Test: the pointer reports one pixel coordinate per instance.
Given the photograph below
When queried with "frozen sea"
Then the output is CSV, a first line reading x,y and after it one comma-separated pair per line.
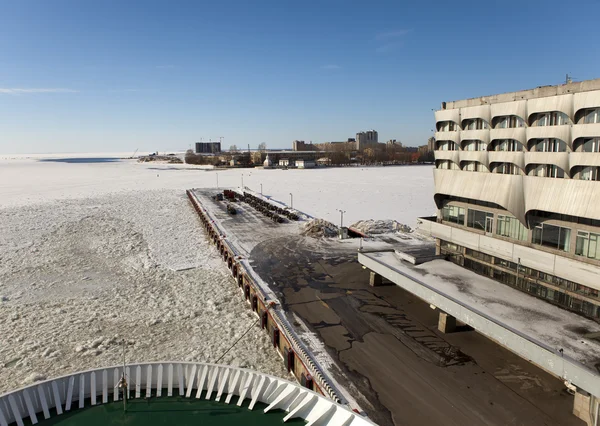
x,y
94,250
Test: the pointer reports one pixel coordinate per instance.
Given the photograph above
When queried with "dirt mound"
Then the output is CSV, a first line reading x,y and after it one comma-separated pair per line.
x,y
372,227
319,228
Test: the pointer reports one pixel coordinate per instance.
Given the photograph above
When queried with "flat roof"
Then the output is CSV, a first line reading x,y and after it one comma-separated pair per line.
x,y
541,321
538,92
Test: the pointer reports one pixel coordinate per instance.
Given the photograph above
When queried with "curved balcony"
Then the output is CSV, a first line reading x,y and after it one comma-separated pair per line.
x,y
479,111
448,136
551,132
479,156
583,159
514,157
518,108
447,155
560,159
564,196
504,190
482,135
586,100
585,131
158,380
448,115
518,134
561,103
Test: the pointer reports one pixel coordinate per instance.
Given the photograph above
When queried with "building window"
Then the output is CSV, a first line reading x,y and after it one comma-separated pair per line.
x,y
507,169
453,214
546,170
450,246
448,126
587,245
507,145
554,118
480,220
556,237
550,145
592,116
475,124
447,146
446,164
510,227
588,145
589,173
473,166
474,145
509,122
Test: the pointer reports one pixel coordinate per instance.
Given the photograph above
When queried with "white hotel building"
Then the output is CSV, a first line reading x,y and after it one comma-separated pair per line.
x,y
517,185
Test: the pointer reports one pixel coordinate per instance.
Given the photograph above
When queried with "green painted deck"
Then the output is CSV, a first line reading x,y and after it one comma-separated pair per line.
x,y
174,410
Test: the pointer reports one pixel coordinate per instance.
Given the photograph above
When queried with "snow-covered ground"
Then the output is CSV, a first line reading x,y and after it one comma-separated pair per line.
x,y
92,253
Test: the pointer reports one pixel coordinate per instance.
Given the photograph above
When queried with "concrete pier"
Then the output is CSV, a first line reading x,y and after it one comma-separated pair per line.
x,y
581,407
375,280
446,323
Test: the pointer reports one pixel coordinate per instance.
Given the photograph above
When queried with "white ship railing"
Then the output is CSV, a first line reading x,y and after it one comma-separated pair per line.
x,y
190,380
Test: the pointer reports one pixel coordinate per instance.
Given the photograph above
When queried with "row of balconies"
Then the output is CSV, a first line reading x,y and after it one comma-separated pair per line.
x,y
565,160
569,104
566,133
521,195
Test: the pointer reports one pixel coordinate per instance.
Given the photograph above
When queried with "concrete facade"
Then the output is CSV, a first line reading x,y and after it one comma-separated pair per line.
x,y
208,147
366,139
516,179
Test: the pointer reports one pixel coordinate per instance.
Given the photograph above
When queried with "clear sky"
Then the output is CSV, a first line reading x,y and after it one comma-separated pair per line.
x,y
94,76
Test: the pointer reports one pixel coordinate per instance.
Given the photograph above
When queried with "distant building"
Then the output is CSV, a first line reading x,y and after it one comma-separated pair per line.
x,y
208,147
423,149
306,164
303,146
366,139
268,164
392,143
287,162
280,158
431,144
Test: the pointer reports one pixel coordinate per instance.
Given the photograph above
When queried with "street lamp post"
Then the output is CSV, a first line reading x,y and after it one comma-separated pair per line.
x,y
242,181
291,200
261,189
341,217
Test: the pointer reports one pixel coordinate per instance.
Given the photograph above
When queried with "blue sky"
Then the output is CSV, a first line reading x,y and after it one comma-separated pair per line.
x,y
94,76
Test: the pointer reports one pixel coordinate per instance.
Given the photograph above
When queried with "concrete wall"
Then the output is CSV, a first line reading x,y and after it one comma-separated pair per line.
x,y
549,263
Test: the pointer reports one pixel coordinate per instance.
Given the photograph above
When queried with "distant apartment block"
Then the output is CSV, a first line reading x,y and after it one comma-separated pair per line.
x,y
518,193
366,139
431,144
208,147
303,146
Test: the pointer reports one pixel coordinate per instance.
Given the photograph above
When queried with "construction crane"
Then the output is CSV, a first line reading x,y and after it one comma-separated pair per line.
x,y
135,152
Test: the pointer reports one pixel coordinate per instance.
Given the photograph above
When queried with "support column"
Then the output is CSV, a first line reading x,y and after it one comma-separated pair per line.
x,y
581,406
375,280
446,323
